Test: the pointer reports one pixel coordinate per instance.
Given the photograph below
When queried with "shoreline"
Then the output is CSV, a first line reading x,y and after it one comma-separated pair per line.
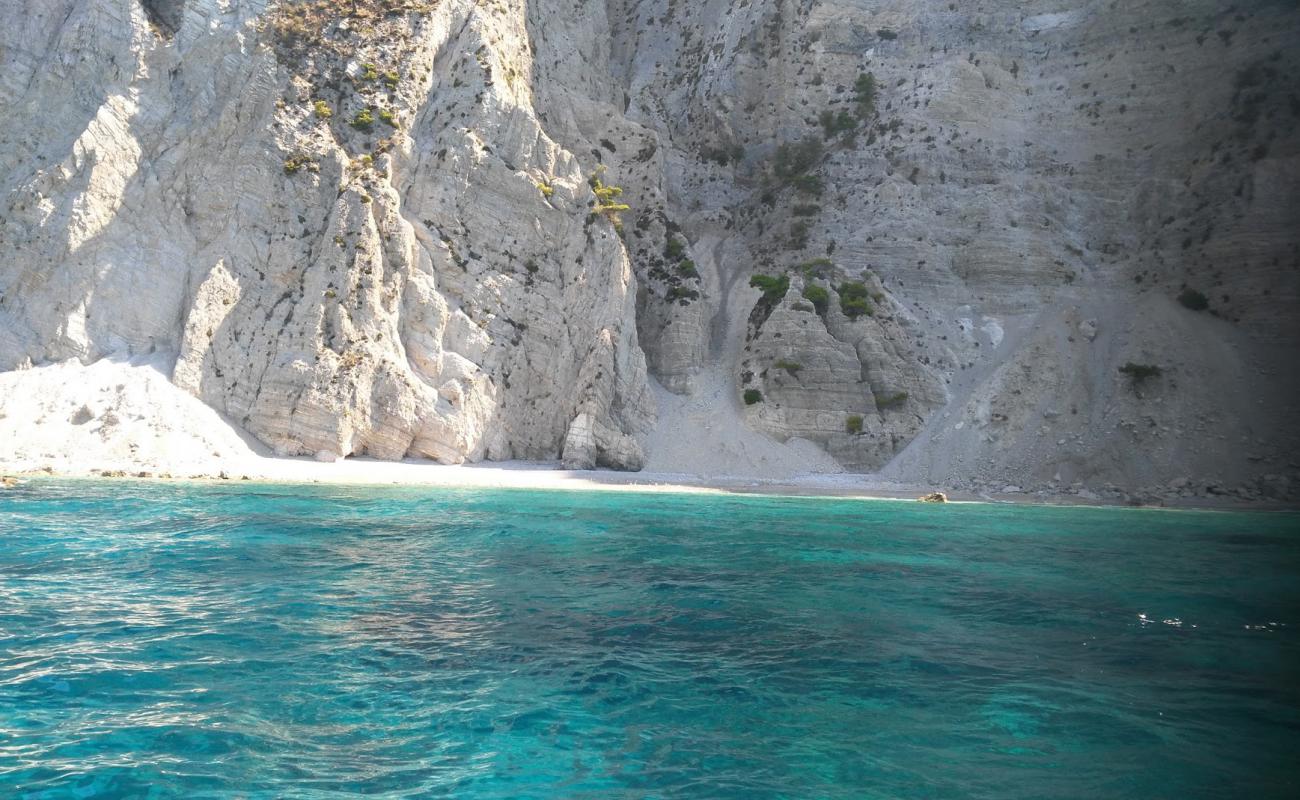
x,y
549,476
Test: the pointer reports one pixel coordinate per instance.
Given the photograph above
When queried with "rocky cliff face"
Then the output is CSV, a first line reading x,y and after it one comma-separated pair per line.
x,y
924,235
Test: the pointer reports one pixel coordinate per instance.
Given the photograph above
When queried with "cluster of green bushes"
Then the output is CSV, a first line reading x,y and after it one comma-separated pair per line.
x,y
302,28
299,161
853,299
682,269
834,124
793,160
685,293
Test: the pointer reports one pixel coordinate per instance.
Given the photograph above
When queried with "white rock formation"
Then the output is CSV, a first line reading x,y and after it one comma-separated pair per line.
x,y
370,227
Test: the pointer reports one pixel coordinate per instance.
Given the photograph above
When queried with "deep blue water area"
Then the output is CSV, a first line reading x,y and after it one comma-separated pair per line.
x,y
196,641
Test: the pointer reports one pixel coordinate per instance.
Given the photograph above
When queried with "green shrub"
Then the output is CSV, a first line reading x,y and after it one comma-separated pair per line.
x,y
887,34
753,396
391,79
1190,298
793,160
816,266
298,161
791,367
798,235
891,400
835,124
773,289
864,94
724,155
818,296
674,249
386,115
683,294
368,72
322,109
546,189
364,120
1140,372
808,184
687,269
853,299
606,196
854,423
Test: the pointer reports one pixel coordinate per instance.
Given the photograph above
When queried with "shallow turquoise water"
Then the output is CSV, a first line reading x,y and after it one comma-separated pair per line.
x,y
235,641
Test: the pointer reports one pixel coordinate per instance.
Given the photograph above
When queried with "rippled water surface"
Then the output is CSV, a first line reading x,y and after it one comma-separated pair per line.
x,y
234,641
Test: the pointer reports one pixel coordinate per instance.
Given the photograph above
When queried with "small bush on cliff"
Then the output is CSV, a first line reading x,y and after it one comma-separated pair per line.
x,y
773,288
791,367
298,161
753,396
607,197
864,94
794,159
853,424
818,267
1196,301
682,294
834,124
322,109
809,184
893,400
853,300
364,120
818,296
1137,373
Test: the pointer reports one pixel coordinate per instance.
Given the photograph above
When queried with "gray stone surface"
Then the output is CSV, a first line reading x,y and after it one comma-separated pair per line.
x,y
1032,190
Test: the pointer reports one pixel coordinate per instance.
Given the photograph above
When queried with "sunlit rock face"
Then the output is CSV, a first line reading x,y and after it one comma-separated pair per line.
x,y
384,227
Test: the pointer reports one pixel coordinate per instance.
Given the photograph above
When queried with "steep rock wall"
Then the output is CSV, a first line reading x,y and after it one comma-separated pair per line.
x,y
980,212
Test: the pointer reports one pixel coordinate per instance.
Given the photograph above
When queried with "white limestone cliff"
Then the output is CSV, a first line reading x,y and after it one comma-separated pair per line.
x,y
371,228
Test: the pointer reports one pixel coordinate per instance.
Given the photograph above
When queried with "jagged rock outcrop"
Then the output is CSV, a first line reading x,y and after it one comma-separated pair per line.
x,y
375,227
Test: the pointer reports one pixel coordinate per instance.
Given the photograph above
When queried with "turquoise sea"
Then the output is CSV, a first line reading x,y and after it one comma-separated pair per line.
x,y
169,641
